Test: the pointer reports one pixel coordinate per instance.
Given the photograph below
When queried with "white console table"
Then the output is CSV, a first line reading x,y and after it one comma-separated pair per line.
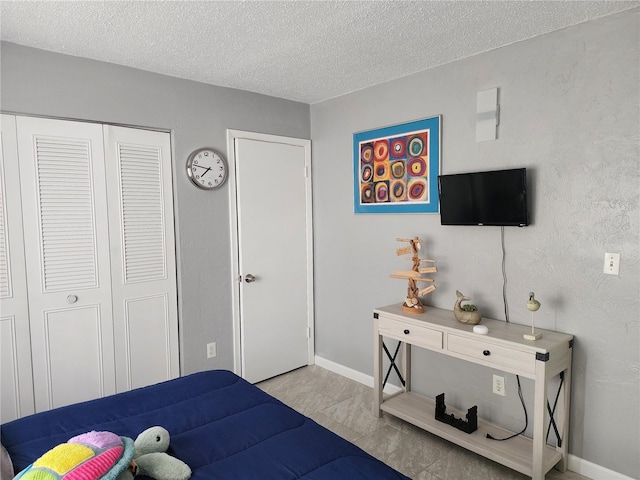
x,y
503,348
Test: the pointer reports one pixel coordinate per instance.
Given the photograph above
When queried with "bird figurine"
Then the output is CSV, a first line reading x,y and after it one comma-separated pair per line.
x,y
533,306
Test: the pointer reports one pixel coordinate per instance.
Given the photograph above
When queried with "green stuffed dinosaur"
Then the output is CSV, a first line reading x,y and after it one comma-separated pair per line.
x,y
151,459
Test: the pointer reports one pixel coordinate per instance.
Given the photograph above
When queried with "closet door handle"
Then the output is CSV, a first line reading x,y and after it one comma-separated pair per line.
x,y
406,332
72,298
486,353
248,278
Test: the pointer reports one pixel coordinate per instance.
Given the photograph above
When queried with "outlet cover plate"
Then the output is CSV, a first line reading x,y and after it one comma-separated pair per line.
x,y
499,385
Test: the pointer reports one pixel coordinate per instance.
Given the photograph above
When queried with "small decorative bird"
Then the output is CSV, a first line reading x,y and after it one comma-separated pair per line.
x,y
533,305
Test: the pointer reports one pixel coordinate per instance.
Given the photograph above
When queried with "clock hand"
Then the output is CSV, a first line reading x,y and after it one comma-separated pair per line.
x,y
205,172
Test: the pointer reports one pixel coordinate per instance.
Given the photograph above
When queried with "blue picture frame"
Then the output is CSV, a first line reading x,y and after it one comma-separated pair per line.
x,y
396,168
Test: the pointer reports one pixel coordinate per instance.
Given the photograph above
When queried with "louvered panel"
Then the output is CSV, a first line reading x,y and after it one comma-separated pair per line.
x,y
5,267
142,213
65,200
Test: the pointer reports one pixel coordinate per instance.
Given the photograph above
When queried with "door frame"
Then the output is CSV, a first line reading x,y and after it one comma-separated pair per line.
x,y
232,136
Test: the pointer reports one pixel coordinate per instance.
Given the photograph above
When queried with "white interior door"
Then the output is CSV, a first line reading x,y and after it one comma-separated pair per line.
x,y
67,260
143,268
16,390
274,246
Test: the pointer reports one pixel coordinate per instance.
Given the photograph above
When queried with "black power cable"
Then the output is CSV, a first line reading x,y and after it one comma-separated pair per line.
x,y
506,315
526,417
504,277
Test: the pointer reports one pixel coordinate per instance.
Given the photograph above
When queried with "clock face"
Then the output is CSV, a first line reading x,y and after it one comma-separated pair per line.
x,y
207,168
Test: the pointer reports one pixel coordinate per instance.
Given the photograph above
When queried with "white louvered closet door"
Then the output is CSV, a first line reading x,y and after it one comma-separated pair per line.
x,y
143,267
67,258
16,390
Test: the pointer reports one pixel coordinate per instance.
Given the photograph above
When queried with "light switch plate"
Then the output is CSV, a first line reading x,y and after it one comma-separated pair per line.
x,y
612,263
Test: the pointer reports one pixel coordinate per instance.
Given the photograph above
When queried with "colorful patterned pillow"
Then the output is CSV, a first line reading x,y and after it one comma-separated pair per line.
x,y
90,456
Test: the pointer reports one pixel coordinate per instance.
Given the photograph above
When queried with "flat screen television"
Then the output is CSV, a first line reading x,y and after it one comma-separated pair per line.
x,y
496,197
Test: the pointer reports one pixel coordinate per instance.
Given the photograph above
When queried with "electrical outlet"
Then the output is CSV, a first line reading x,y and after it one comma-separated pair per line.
x,y
612,263
499,385
211,350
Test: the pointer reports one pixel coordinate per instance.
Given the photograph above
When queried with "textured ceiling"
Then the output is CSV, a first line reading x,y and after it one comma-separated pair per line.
x,y
306,51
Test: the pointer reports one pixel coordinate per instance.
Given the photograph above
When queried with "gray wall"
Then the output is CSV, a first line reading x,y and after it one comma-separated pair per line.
x,y
569,113
569,104
44,83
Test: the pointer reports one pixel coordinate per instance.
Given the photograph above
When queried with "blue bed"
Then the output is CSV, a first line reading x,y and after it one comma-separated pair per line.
x,y
221,426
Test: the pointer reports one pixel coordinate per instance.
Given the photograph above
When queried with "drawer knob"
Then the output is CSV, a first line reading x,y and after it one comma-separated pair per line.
x,y
486,353
406,332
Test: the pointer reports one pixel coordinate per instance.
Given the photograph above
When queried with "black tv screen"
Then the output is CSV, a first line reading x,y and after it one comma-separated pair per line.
x,y
484,198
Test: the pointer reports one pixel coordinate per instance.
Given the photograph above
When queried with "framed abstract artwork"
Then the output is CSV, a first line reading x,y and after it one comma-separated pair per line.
x,y
396,168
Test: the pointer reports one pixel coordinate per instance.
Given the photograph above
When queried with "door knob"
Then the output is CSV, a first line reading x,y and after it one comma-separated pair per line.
x,y
72,298
248,278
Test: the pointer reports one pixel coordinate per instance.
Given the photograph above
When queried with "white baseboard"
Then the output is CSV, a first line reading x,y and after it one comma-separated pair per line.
x,y
575,464
352,374
593,471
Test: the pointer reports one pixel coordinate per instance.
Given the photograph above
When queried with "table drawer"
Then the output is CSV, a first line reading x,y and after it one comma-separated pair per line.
x,y
406,332
492,354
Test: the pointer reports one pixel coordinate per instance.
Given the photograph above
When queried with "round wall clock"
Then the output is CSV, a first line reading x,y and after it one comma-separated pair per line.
x,y
207,168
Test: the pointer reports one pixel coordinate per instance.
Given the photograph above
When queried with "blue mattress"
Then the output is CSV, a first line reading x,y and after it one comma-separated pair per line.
x,y
221,426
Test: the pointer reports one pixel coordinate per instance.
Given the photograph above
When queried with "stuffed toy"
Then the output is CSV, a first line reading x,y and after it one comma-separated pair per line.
x,y
107,456
92,455
151,459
